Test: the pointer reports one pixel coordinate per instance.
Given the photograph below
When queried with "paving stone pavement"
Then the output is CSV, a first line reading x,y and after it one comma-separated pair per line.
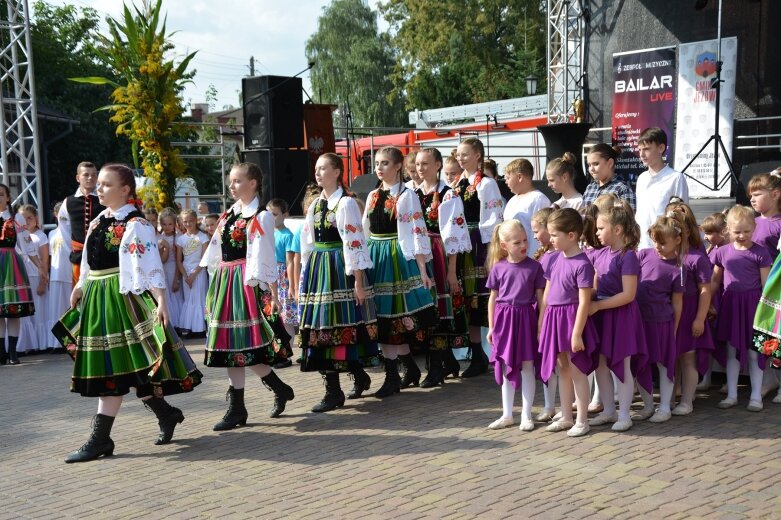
x,y
420,454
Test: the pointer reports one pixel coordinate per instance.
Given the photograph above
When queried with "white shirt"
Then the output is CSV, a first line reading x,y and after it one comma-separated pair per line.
x,y
528,203
575,202
654,190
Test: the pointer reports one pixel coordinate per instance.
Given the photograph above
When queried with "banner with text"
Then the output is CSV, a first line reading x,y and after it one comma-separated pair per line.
x,y
643,96
697,113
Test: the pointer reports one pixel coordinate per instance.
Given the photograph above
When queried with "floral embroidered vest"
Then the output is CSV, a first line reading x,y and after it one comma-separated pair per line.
x,y
104,241
325,222
7,232
234,237
468,194
430,205
382,212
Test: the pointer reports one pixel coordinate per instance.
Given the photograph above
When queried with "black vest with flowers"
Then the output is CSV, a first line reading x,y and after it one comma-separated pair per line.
x,y
382,212
468,194
234,237
7,232
325,222
430,205
104,241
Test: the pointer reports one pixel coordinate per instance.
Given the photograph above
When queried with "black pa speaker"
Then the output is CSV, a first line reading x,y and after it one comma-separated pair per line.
x,y
285,175
566,137
273,112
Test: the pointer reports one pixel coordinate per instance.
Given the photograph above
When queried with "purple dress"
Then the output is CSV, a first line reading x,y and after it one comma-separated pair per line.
x,y
659,279
742,291
614,342
566,276
697,270
515,317
767,232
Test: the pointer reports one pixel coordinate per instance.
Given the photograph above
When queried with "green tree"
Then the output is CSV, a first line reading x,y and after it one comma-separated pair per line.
x,y
465,51
147,100
62,39
353,65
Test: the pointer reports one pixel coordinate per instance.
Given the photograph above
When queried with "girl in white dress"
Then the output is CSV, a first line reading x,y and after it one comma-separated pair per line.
x,y
60,280
33,332
190,247
167,245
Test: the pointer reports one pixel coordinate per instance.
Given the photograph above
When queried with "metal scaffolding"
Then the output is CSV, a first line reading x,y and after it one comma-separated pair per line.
x,y
565,57
19,153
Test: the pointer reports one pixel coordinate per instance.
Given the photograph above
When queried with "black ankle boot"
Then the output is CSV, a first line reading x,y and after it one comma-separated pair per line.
x,y
411,371
99,442
436,374
167,418
3,354
450,363
479,364
13,359
334,397
361,383
236,414
392,383
282,393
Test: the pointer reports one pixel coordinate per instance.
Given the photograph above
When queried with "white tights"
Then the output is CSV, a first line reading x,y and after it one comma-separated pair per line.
x,y
733,372
626,390
527,392
11,325
549,390
236,374
394,351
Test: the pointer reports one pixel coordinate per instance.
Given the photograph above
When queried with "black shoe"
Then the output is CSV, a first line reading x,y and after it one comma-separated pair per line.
x,y
282,393
13,359
99,442
236,414
3,354
361,383
392,383
334,397
436,374
479,364
283,363
451,364
167,418
411,371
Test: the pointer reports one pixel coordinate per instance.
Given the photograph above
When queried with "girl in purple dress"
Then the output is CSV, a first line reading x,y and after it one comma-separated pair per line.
x,y
545,255
744,267
567,335
660,296
615,311
516,283
714,228
693,337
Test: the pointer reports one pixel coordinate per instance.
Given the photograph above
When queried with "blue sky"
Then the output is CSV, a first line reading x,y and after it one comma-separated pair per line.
x,y
226,33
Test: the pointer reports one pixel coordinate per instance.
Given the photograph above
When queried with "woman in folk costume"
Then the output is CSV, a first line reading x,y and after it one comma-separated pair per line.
x,y
118,329
443,213
483,209
338,322
242,262
399,248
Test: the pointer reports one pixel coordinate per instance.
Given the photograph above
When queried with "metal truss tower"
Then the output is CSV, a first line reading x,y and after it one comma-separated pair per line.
x,y
565,57
19,152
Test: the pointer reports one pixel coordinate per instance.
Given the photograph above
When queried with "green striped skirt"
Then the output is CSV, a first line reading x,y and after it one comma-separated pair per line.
x,y
405,308
767,319
16,296
116,343
335,332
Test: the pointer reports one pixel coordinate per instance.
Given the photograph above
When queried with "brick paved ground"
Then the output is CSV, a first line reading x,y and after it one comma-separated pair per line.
x,y
422,454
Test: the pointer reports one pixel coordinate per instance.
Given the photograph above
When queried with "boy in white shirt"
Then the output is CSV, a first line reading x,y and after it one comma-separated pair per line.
x,y
657,184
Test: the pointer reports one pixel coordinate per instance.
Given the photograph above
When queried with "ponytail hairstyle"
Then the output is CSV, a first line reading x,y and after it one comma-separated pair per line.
x,y
336,163
621,215
500,234
766,181
668,227
589,235
606,201
564,165
541,218
396,157
126,178
606,151
689,221
477,146
566,220
253,172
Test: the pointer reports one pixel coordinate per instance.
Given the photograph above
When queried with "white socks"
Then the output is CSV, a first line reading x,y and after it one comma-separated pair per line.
x,y
508,398
665,389
733,372
626,391
604,382
755,374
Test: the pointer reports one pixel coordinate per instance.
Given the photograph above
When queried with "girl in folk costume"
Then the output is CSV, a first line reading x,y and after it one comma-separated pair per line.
x,y
60,279
483,209
338,321
516,282
451,170
443,213
167,244
16,297
190,247
241,258
399,248
117,329
33,332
